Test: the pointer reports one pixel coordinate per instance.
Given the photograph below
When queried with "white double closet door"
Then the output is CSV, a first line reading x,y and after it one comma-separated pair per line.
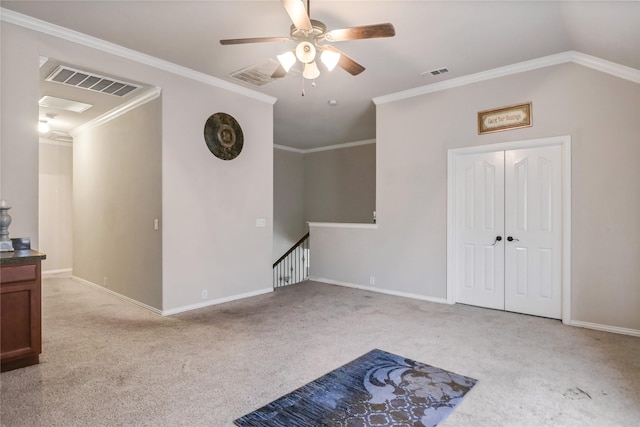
x,y
508,230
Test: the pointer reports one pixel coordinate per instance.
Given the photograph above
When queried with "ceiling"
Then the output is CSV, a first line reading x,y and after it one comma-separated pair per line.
x,y
466,37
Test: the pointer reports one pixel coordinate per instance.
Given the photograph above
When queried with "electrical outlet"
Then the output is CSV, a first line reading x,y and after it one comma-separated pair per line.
x,y
205,294
105,281
372,280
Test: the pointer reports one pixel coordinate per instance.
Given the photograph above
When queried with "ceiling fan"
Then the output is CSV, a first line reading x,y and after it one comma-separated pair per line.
x,y
311,37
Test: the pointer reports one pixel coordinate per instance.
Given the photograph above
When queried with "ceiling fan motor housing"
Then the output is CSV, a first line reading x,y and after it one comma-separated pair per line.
x,y
317,33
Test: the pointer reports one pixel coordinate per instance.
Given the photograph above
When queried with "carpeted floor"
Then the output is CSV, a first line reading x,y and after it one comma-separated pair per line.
x,y
108,363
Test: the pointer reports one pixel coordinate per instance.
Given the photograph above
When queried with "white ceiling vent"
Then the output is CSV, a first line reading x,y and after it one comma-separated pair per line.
x,y
60,137
91,81
259,74
435,72
63,104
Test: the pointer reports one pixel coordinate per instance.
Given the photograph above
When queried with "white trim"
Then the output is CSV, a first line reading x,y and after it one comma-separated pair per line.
x,y
285,148
339,146
565,143
327,148
215,302
605,328
342,225
114,49
617,70
52,142
62,272
139,100
116,294
378,290
173,310
593,62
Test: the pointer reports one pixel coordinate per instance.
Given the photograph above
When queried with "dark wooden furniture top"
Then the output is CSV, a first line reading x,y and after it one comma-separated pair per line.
x,y
20,257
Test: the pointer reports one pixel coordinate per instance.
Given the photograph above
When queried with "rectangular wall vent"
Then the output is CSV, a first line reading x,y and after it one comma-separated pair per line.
x,y
91,81
63,104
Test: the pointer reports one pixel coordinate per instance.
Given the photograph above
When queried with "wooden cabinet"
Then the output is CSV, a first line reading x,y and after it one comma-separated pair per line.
x,y
20,309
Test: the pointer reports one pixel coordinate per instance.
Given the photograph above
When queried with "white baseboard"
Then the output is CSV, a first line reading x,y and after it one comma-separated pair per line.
x,y
173,310
63,272
215,302
116,294
605,328
379,290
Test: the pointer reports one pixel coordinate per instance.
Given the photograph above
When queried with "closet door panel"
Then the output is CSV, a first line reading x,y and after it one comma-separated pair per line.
x,y
533,230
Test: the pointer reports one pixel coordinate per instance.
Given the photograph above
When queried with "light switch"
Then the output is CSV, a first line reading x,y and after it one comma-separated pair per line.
x,y
261,222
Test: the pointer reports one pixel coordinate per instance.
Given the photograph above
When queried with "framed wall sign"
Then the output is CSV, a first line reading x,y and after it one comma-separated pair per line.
x,y
498,119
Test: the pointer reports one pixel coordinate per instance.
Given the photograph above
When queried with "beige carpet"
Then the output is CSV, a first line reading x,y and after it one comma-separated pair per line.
x,y
108,363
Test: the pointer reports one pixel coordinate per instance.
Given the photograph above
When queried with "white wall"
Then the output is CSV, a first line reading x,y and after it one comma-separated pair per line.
x,y
55,217
601,114
210,207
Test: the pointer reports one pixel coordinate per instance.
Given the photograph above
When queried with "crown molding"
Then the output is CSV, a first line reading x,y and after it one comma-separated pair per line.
x,y
44,27
339,146
327,148
285,148
615,69
57,143
593,62
143,98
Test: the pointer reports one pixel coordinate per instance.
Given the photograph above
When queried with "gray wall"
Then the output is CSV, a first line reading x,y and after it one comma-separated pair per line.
x,y
333,185
209,206
55,218
407,253
288,200
19,89
117,188
340,184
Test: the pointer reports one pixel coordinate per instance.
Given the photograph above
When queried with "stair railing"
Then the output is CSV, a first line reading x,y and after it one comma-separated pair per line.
x,y
293,266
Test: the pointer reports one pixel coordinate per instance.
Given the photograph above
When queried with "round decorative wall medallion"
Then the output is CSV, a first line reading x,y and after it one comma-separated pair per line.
x,y
223,136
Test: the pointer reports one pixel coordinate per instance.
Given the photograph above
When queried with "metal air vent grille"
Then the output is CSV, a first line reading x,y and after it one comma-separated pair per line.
x,y
91,81
259,74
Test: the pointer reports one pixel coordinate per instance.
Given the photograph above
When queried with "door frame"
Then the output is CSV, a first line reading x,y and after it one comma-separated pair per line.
x,y
564,142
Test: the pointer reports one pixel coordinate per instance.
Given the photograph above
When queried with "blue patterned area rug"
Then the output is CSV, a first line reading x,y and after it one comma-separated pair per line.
x,y
374,390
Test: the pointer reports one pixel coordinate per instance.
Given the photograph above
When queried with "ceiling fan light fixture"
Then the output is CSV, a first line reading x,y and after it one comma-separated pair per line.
x,y
287,60
330,59
311,71
306,52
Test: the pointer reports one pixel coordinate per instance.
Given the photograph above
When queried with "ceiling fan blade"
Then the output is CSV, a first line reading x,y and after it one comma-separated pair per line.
x,y
298,14
254,40
345,62
364,32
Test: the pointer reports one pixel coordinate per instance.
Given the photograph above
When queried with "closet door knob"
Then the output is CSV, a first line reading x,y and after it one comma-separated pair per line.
x,y
498,238
511,239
